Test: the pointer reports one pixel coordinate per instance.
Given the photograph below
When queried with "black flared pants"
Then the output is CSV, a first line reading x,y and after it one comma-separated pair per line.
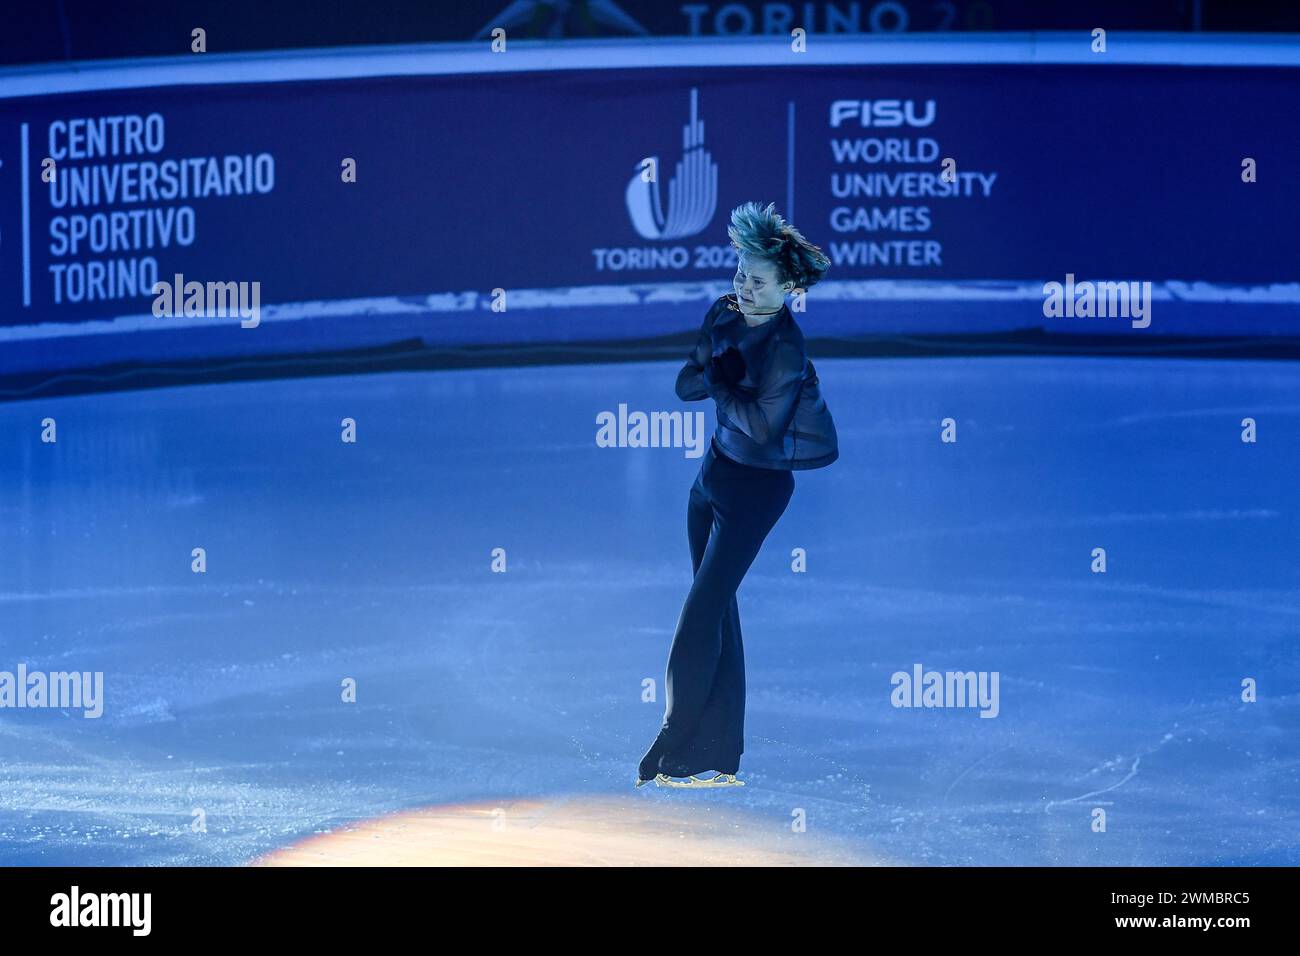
x,y
732,508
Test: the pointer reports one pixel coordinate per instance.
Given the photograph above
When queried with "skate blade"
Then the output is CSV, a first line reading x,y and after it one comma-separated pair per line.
x,y
696,783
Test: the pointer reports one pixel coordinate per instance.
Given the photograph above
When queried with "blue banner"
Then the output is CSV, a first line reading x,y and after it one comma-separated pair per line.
x,y
438,194
569,179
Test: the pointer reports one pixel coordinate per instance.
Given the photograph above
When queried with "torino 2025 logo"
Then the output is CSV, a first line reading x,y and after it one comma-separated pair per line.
x,y
684,208
692,192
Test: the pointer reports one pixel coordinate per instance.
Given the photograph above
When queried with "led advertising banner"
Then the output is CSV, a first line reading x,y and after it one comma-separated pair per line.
x,y
509,181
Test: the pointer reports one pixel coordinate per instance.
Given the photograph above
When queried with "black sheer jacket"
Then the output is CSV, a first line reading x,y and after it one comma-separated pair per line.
x,y
774,416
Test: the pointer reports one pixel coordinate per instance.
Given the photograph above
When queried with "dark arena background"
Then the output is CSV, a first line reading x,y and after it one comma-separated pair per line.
x,y
348,574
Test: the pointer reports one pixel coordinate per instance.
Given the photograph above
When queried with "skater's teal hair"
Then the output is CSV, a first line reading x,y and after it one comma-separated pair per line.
x,y
761,233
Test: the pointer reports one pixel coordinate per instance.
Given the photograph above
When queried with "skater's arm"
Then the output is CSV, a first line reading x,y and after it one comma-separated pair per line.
x,y
768,414
691,386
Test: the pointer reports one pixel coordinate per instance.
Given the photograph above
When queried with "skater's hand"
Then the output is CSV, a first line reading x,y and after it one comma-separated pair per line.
x,y
729,366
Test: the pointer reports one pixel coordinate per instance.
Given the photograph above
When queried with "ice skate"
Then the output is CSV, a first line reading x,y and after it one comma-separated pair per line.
x,y
694,782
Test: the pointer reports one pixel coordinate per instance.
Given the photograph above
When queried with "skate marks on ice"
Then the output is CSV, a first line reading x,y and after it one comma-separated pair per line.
x,y
576,830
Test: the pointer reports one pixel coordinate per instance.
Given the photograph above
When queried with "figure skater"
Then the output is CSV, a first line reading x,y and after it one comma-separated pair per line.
x,y
749,358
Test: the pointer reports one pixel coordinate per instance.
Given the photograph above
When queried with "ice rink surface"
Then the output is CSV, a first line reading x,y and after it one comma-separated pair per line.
x,y
373,561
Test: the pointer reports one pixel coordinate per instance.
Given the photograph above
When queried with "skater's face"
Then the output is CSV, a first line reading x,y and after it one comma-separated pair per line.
x,y
757,288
